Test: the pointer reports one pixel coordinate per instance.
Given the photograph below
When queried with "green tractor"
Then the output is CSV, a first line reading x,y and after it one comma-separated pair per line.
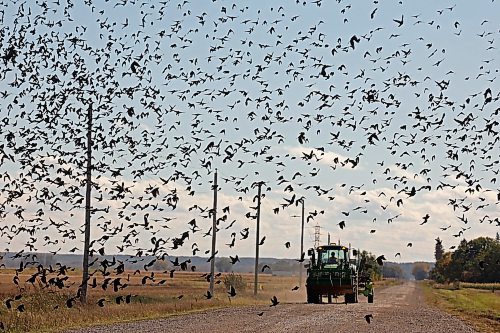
x,y
333,272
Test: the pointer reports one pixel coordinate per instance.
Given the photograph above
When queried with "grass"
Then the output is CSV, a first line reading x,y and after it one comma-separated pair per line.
x,y
479,307
46,309
484,286
387,283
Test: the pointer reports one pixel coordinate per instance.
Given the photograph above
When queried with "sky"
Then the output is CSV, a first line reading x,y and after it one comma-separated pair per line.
x,y
271,92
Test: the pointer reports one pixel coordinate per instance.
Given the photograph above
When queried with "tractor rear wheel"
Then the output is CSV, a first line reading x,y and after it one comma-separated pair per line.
x,y
312,297
350,298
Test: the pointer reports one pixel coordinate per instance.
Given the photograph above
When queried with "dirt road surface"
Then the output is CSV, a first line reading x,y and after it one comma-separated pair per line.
x,y
396,309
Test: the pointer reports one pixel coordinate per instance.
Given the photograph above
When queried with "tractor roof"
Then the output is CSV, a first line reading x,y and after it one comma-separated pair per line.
x,y
331,247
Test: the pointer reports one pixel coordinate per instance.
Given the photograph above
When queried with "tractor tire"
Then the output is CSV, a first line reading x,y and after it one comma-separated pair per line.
x,y
350,298
312,297
370,298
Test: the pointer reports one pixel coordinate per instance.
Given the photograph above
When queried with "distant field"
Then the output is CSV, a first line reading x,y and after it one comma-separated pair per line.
x,y
46,310
476,305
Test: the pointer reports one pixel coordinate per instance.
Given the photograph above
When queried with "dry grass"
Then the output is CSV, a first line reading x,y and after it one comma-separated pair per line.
x,y
46,310
484,286
387,283
480,308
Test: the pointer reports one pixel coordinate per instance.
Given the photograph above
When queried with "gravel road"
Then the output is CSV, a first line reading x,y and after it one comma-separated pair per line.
x,y
396,309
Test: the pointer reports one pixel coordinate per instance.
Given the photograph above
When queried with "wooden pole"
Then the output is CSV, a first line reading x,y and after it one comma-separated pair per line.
x,y
214,236
257,241
86,247
301,243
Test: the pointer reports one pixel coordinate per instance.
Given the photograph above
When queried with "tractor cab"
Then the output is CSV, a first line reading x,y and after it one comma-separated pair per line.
x,y
332,256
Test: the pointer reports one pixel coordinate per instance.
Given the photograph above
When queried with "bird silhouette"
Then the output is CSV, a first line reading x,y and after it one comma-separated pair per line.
x,y
399,22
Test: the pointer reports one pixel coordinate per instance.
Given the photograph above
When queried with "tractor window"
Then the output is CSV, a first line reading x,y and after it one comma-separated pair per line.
x,y
332,258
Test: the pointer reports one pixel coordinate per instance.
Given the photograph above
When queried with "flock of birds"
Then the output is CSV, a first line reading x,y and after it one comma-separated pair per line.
x,y
177,89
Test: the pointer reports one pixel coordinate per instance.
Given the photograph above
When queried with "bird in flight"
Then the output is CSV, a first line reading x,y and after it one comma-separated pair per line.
x,y
399,22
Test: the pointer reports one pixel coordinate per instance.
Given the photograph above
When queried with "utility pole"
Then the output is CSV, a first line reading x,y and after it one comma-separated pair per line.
x,y
86,246
214,235
257,241
317,229
301,242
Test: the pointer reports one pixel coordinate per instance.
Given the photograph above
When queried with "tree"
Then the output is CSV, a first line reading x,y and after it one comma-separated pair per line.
x,y
458,261
438,251
369,263
472,261
223,264
160,265
482,258
491,258
440,272
436,273
420,270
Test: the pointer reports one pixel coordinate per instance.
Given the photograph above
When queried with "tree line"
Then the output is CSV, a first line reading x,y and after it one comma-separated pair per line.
x,y
477,261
